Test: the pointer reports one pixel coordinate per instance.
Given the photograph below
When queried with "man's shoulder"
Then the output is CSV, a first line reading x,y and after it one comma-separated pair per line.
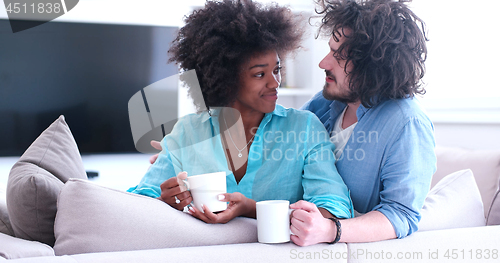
x,y
317,102
401,110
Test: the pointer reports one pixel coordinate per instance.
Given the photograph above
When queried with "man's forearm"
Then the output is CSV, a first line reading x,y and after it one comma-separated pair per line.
x,y
325,212
372,226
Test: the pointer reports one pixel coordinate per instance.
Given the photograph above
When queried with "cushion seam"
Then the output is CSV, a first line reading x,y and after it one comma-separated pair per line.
x,y
9,229
37,210
50,142
491,206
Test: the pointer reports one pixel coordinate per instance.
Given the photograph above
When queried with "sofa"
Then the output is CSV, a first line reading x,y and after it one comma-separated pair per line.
x,y
50,212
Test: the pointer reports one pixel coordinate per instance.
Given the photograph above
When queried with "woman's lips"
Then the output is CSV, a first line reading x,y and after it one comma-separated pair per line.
x,y
271,96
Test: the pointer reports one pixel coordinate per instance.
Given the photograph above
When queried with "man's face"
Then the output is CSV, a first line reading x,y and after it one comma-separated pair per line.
x,y
337,80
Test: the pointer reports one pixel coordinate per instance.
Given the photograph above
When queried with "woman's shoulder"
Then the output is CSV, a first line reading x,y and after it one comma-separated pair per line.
x,y
193,118
300,119
193,122
295,114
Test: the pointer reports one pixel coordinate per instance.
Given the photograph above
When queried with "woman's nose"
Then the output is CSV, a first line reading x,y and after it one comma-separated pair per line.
x,y
275,81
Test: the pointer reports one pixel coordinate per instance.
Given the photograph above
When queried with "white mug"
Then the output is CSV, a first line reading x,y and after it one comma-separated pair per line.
x,y
273,221
205,189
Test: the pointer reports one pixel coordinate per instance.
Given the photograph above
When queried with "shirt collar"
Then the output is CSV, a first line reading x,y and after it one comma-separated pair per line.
x,y
279,111
336,108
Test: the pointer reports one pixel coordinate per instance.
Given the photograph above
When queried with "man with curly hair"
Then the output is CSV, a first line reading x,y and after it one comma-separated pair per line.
x,y
384,140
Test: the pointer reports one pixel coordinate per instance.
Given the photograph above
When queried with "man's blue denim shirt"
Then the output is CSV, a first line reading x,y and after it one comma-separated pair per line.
x,y
389,160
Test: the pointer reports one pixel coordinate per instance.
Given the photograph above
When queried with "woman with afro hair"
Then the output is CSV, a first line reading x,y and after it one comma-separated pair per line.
x,y
267,151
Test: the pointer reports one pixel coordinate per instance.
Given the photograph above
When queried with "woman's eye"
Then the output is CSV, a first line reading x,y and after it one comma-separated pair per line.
x,y
277,70
259,75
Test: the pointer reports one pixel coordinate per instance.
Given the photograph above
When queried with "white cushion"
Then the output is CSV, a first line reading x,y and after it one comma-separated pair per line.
x,y
92,218
485,164
454,202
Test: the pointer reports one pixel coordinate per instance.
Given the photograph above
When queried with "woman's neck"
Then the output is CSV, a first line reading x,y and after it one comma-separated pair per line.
x,y
250,118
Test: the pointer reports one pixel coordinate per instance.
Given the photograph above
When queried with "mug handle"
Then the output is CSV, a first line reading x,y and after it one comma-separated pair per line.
x,y
182,181
290,211
186,184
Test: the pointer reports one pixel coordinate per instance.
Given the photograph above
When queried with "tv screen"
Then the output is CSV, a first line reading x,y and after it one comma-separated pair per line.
x,y
86,72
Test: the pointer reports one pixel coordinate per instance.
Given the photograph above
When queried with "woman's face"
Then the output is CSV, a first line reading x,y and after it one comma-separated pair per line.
x,y
259,81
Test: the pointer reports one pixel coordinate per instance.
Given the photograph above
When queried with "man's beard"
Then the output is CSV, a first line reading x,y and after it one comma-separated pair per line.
x,y
347,97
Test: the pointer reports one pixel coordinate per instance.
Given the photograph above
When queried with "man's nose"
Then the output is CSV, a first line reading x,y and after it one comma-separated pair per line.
x,y
325,62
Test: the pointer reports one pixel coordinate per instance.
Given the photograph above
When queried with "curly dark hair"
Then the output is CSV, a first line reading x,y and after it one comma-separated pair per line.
x,y
219,38
384,44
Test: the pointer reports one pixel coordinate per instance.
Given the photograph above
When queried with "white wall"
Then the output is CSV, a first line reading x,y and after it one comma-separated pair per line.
x,y
469,136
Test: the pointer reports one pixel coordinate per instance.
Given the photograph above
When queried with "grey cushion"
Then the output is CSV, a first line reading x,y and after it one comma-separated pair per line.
x,y
36,180
494,213
93,218
5,226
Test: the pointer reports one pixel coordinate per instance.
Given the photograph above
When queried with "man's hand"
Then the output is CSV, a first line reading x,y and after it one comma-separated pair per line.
x,y
239,205
174,193
309,227
157,146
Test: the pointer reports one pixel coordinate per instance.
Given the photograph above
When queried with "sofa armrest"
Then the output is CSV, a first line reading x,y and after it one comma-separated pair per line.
x,y
460,244
249,252
13,247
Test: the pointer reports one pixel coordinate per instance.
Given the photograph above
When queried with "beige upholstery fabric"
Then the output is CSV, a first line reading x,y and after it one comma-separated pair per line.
x,y
11,248
485,164
36,180
92,218
454,202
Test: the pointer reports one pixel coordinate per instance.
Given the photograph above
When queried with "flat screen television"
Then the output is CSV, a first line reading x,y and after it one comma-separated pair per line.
x,y
84,71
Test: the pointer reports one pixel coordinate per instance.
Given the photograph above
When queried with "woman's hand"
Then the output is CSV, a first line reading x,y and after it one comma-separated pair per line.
x,y
175,193
239,205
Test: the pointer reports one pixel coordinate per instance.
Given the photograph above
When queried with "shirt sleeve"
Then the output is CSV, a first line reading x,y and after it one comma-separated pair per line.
x,y
166,166
321,182
408,166
159,172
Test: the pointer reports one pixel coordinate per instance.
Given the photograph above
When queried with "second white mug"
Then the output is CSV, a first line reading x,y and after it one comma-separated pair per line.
x,y
273,221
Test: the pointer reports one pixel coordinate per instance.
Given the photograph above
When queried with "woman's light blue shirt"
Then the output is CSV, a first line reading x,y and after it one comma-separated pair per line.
x,y
291,158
